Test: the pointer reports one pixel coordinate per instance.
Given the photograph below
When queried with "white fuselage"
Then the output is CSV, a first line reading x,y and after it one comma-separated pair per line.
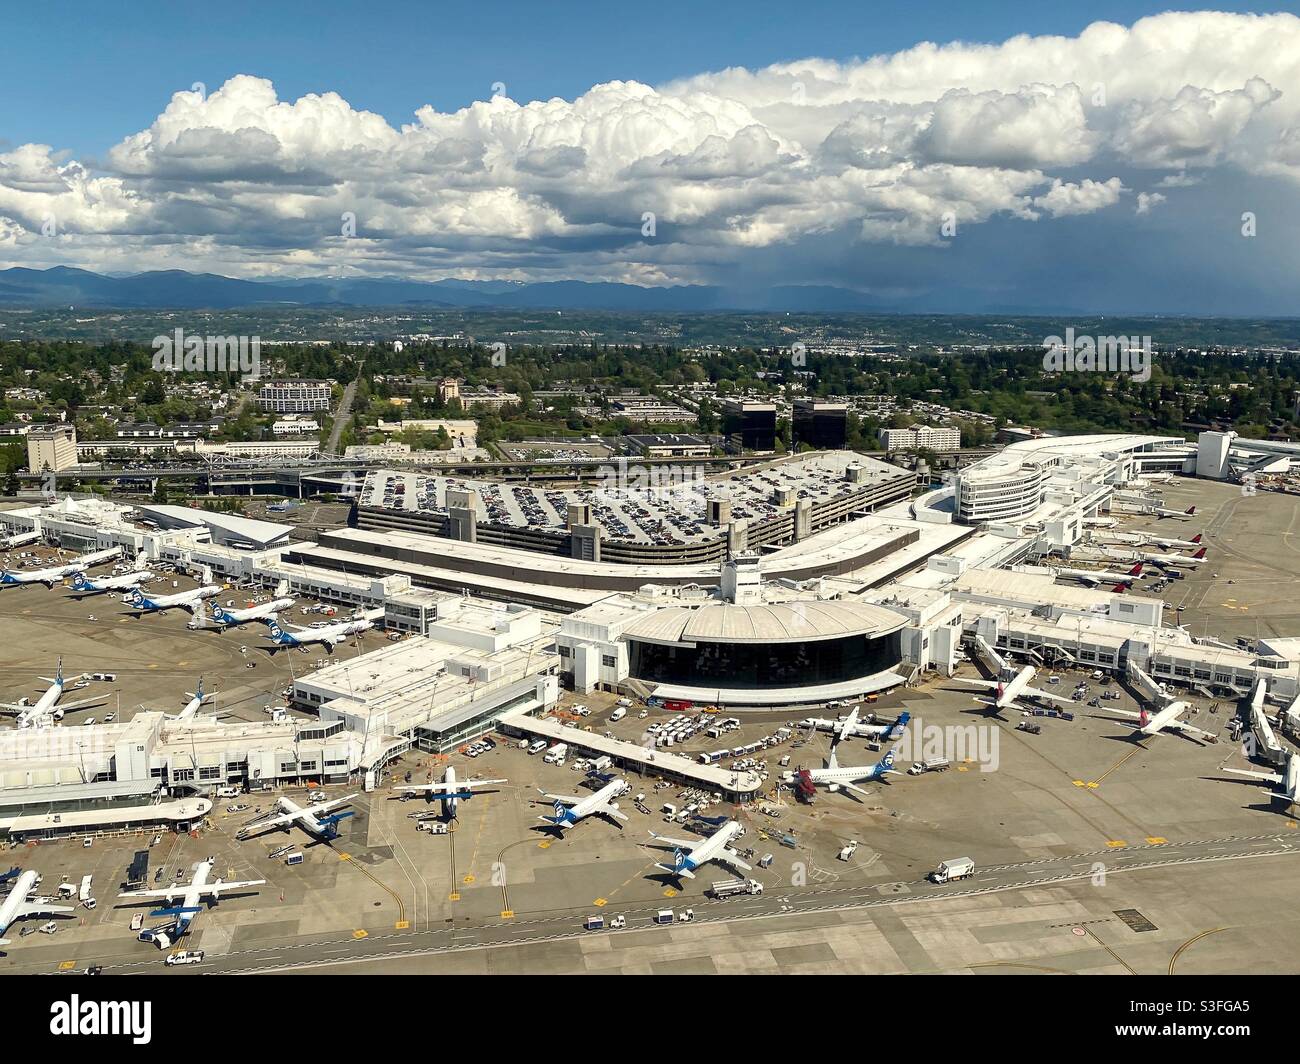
x,y
114,583
44,709
604,796
1097,576
253,613
12,906
185,599
44,576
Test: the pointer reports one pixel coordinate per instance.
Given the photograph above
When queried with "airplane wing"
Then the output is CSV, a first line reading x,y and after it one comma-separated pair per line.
x,y
478,783
732,859
325,807
987,684
80,703
1126,713
214,888
680,844
858,790
175,892
29,908
1037,692
1267,777
1180,726
567,799
609,810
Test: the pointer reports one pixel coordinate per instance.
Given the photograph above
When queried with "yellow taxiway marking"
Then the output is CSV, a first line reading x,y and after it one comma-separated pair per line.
x,y
1116,844
601,901
358,934
1291,823
345,857
468,880
1079,783
670,893
1092,785
1156,840
1196,938
544,844
454,896
154,665
402,925
65,966
507,914
962,768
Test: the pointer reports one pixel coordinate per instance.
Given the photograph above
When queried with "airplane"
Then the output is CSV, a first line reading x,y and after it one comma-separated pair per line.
x,y
1164,561
569,809
849,728
309,817
1288,778
16,906
1093,577
688,856
234,618
196,700
190,896
1181,515
836,776
1166,719
1007,693
1144,539
83,585
448,789
1099,522
186,600
329,637
48,577
46,708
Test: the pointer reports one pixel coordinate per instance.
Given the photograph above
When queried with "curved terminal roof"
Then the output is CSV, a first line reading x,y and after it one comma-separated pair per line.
x,y
780,622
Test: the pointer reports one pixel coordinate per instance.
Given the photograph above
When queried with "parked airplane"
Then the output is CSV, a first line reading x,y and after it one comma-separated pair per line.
x,y
1181,515
17,906
689,856
186,600
1166,719
1164,561
1007,693
46,708
329,636
309,817
196,700
1288,779
190,896
449,790
569,809
1145,539
849,728
83,585
48,577
233,618
836,776
1093,577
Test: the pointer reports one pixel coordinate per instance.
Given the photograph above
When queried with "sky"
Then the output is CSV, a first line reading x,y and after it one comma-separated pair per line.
x,y
937,156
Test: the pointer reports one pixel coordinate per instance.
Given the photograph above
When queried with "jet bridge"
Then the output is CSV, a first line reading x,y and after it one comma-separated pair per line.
x,y
1267,746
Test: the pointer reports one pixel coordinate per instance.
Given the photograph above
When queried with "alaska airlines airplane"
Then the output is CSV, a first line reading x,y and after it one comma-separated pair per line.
x,y
309,817
84,585
570,809
48,577
689,856
329,637
185,600
1288,779
46,708
229,618
190,896
195,703
17,907
849,728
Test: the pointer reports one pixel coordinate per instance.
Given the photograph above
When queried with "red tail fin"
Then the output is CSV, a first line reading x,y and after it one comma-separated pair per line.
x,y
1196,538
1136,570
1200,553
1119,589
1190,511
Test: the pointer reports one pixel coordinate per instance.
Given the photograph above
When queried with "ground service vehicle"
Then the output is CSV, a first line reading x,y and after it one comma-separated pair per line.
x,y
732,887
950,871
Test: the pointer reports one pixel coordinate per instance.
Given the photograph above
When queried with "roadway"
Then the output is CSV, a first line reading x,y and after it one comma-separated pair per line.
x,y
390,947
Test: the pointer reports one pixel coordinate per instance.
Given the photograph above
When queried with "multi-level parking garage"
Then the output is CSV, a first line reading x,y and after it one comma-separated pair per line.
x,y
640,515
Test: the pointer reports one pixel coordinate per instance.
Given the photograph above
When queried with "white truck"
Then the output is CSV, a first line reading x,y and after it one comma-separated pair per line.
x,y
619,713
556,754
950,871
935,764
730,888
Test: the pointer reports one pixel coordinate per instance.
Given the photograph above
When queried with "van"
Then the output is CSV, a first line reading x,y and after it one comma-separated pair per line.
x,y
295,858
618,714
537,746
227,792
664,916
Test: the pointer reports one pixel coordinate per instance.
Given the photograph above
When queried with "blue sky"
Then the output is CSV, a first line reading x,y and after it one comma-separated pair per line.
x,y
95,70
1125,160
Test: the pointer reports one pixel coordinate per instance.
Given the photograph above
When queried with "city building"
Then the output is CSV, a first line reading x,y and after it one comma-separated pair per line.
x,y
51,448
930,437
294,396
749,424
820,424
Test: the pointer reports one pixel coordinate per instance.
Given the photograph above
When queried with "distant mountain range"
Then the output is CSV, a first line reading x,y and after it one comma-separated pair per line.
x,y
176,289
